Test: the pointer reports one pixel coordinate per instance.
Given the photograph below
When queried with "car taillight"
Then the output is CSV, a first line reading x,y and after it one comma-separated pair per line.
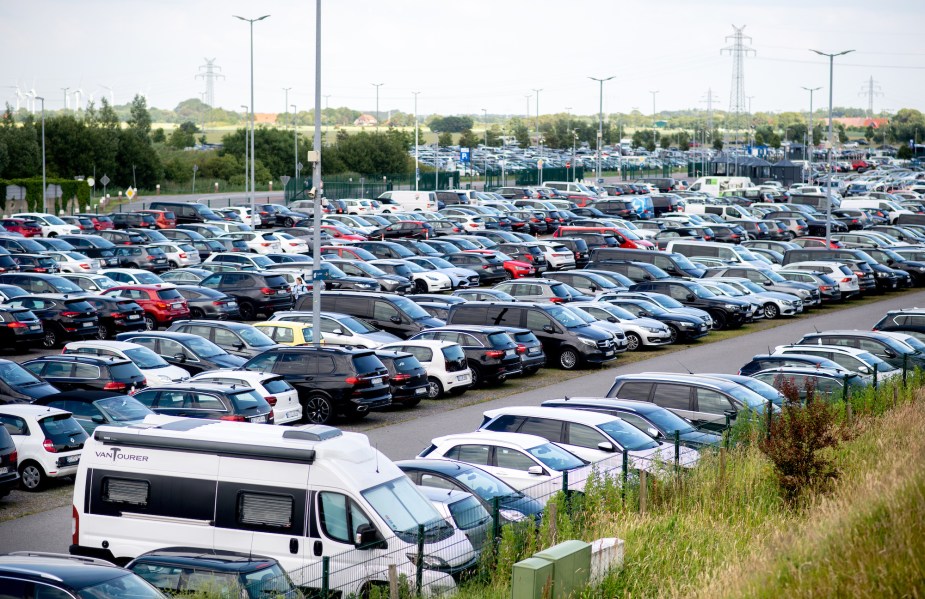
x,y
234,418
352,380
117,315
49,446
84,265
70,314
40,269
401,377
17,325
484,267
825,288
161,305
150,257
521,348
115,386
266,291
183,255
271,399
494,353
218,303
556,300
846,280
473,225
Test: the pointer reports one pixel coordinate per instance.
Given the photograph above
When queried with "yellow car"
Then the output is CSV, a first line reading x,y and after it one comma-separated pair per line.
x,y
287,333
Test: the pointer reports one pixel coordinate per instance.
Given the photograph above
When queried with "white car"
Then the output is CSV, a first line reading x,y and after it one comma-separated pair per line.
x,y
52,226
179,254
91,283
157,371
526,462
460,277
360,207
444,361
244,212
424,280
260,243
467,223
282,397
357,223
133,276
851,358
74,262
342,329
229,226
558,257
292,244
640,332
773,303
48,442
848,282
593,436
241,260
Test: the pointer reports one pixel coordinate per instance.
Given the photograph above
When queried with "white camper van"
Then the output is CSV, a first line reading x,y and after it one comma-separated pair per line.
x,y
408,201
715,186
296,494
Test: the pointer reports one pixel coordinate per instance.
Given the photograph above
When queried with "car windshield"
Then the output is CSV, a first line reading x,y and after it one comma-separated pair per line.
x,y
600,281
261,261
411,267
627,435
147,278
555,457
129,585
401,506
267,582
440,262
913,343
751,286
725,289
255,338
565,316
747,397
701,291
145,358
617,311
414,311
564,291
774,276
763,389
331,270
63,285
668,421
15,375
122,408
204,348
356,325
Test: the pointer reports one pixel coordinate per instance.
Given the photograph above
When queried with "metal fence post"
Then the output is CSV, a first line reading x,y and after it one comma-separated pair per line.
x,y
875,376
565,491
905,367
625,475
419,562
769,416
728,432
677,448
496,521
325,575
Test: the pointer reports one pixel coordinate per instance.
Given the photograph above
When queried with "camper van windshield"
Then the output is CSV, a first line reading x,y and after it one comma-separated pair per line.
x,y
402,506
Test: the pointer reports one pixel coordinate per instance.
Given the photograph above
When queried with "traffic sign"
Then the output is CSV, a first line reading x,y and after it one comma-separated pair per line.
x,y
319,275
130,193
465,154
105,180
285,180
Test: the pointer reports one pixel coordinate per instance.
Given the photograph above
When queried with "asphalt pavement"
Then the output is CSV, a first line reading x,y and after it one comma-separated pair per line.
x,y
50,530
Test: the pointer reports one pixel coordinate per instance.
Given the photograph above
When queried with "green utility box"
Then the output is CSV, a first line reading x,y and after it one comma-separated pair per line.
x,y
531,577
571,562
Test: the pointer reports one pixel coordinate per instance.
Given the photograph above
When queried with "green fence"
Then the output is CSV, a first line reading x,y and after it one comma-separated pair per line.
x,y
533,176
628,172
356,186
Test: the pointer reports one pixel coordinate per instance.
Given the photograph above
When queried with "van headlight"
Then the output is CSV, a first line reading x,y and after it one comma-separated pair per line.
x,y
587,341
511,515
431,562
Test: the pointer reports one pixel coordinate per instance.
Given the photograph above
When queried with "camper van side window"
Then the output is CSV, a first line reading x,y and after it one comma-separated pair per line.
x,y
126,491
262,511
340,517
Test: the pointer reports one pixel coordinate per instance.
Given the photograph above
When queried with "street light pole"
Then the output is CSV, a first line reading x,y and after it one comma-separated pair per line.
x,y
417,170
246,163
377,86
653,118
253,199
537,127
811,90
295,137
600,121
316,183
44,186
828,210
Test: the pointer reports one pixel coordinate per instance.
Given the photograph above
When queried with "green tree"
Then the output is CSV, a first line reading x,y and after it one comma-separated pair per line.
x,y
449,124
494,136
665,142
842,134
272,147
368,154
468,139
520,132
774,141
184,136
796,132
158,136
718,144
907,124
445,139
869,134
139,120
904,152
759,138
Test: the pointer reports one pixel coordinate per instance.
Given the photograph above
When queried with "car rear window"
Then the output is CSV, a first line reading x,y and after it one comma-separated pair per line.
x,y
366,363
277,385
275,281
169,294
526,337
406,364
23,316
169,215
453,353
124,371
155,251
78,305
501,341
60,428
249,400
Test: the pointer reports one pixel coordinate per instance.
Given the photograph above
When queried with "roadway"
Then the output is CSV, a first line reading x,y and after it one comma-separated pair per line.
x,y
50,530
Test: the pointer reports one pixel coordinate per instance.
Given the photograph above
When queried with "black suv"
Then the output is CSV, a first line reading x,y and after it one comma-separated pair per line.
x,y
189,352
24,574
36,263
571,340
256,293
491,352
148,257
70,372
18,327
491,269
385,249
122,237
116,315
407,377
631,269
124,220
329,380
9,478
525,252
40,283
236,338
196,399
20,245
94,246
727,312
18,385
63,318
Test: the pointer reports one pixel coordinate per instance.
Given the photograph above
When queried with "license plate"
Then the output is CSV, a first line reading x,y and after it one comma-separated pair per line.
x,y
259,419
292,413
87,324
509,353
73,459
607,354
533,350
35,327
134,316
232,304
4,470
462,377
420,391
376,381
177,306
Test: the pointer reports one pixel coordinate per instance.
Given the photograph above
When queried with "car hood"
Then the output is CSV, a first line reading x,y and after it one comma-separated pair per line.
x,y
778,295
228,361
37,391
647,322
700,438
659,457
164,375
381,337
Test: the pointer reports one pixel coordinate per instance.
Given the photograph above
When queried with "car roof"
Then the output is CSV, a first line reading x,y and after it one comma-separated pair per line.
x,y
84,358
833,348
630,405
470,328
206,559
827,372
198,386
676,378
108,344
238,373
27,409
521,440
71,571
84,396
579,416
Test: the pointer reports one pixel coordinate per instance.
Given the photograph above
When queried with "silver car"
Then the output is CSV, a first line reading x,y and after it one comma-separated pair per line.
x,y
342,329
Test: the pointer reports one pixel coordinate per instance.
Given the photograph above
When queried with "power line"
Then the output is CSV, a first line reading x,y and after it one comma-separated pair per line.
x,y
870,89
709,100
210,72
738,50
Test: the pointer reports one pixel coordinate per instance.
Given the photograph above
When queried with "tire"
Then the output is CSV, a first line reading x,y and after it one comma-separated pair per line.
x,y
196,313
457,391
790,236
675,333
174,264
434,388
52,234
420,286
508,276
569,359
771,311
247,311
103,333
150,323
289,222
633,342
719,320
477,378
32,477
318,409
531,371
51,337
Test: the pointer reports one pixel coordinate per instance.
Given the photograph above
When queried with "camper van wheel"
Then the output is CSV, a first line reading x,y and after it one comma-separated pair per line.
x,y
318,409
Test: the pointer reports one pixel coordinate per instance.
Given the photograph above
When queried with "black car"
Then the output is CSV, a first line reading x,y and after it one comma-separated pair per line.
x,y
329,380
209,303
578,244
149,235
9,463
147,257
418,247
122,237
116,315
124,220
255,293
20,245
211,401
64,318
772,361
55,244
189,352
407,377
94,408
365,271
491,352
633,270
683,327
18,385
94,246
24,574
18,327
490,269
39,283
385,249
206,247
530,348
9,263
182,235
70,372
726,312
526,252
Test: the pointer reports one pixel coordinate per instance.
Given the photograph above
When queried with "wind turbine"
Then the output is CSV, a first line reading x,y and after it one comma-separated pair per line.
x,y
31,95
112,97
19,95
77,94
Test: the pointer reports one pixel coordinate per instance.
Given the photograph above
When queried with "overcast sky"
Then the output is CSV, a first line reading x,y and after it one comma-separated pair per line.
x,y
466,56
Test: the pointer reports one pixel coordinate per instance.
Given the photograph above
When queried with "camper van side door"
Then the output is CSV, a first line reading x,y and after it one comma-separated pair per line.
x,y
338,520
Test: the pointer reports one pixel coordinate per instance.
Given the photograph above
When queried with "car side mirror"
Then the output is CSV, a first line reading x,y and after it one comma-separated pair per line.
x,y
180,357
593,288
691,297
337,332
611,319
647,277
653,432
98,419
889,353
548,328
239,346
606,446
767,283
536,470
731,414
395,319
367,537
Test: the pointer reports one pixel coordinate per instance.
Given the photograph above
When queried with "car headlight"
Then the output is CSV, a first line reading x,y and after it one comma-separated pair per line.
x,y
804,293
431,562
731,307
587,341
511,515
652,329
163,378
686,325
787,302
883,274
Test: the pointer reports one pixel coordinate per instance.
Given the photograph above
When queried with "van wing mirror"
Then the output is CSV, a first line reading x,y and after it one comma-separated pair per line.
x,y
548,328
367,537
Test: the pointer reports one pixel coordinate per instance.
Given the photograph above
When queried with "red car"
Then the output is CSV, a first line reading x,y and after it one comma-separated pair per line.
x,y
626,238
516,268
100,222
164,219
817,242
26,228
162,304
342,234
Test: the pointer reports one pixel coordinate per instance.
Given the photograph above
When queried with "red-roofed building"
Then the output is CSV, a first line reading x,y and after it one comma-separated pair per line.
x,y
861,122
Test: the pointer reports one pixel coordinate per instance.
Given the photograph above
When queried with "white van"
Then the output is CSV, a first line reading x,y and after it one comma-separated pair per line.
x,y
408,201
726,212
297,494
727,252
716,185
888,206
